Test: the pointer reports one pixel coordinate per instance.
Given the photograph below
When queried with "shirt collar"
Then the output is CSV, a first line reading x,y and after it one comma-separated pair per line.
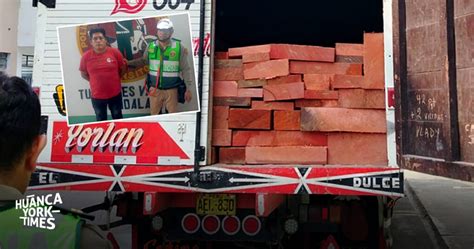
x,y
8,193
157,43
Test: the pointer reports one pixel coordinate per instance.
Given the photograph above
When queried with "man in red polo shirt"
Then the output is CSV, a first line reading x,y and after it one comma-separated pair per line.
x,y
103,67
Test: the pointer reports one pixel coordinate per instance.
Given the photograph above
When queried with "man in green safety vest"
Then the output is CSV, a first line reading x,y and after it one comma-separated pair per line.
x,y
169,69
21,141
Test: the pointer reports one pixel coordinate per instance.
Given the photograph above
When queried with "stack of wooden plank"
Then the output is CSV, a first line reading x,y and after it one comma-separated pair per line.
x,y
295,104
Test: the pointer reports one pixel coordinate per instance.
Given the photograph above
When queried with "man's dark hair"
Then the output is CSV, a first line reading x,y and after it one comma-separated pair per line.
x,y
96,30
20,120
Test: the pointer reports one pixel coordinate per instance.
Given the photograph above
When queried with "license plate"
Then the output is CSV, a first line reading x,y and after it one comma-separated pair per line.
x,y
216,204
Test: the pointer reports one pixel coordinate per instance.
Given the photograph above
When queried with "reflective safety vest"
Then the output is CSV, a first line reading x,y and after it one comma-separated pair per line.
x,y
165,64
14,235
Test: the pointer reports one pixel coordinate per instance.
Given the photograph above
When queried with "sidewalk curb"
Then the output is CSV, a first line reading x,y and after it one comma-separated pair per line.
x,y
431,228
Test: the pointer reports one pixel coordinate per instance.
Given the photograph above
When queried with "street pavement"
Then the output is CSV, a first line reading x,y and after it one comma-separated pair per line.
x,y
409,226
442,207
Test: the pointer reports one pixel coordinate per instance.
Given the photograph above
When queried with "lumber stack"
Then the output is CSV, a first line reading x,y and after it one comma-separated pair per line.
x,y
296,104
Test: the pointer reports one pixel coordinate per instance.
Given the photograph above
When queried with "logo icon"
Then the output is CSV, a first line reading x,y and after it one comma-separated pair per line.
x,y
38,210
172,54
58,97
126,6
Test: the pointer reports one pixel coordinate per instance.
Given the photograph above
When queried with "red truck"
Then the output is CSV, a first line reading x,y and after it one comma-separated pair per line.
x,y
171,184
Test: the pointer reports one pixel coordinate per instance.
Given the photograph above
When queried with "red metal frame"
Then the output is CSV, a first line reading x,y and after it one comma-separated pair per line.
x,y
266,203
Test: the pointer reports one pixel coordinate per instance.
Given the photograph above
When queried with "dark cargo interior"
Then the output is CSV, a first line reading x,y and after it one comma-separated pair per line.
x,y
322,23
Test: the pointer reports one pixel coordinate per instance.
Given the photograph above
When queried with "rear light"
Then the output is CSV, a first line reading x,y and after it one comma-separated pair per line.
x,y
291,226
329,243
251,225
335,214
391,97
231,225
210,224
157,223
325,214
190,223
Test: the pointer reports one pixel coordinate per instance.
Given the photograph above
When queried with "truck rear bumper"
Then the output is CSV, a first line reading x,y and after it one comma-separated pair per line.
x,y
277,179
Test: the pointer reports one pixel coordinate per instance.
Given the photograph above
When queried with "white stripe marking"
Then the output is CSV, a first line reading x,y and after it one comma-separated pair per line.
x,y
125,159
82,159
170,74
462,187
360,189
268,180
75,184
72,172
171,63
169,160
340,177
170,179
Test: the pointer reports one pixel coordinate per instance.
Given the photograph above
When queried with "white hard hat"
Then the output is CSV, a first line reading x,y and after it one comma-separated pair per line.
x,y
164,23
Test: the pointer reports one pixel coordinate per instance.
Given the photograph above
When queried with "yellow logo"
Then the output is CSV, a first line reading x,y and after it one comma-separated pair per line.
x,y
172,54
59,100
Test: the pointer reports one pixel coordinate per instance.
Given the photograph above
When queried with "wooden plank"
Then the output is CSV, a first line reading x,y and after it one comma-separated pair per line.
x,y
231,101
342,119
250,119
374,73
286,155
357,148
251,83
228,63
360,98
278,138
305,67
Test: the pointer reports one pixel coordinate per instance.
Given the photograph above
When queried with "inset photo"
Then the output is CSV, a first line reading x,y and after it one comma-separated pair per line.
x,y
128,68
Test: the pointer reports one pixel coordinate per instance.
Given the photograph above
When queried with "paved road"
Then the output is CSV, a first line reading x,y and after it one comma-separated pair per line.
x,y
410,229
449,206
